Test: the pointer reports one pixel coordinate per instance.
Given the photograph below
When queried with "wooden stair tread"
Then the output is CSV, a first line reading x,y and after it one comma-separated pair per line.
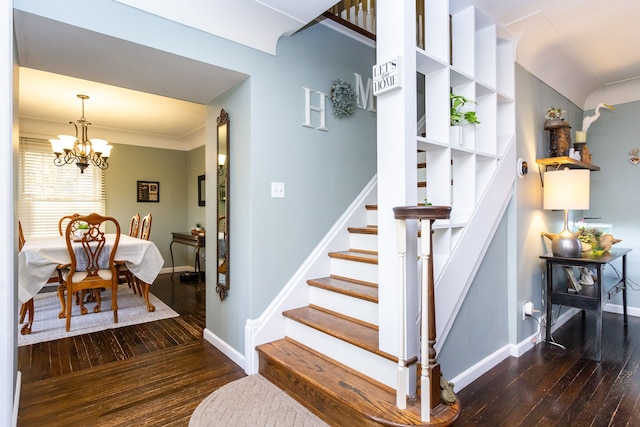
x,y
358,333
337,393
369,229
353,288
358,256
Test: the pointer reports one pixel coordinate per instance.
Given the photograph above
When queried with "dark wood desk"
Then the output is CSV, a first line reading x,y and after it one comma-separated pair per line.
x,y
590,297
186,238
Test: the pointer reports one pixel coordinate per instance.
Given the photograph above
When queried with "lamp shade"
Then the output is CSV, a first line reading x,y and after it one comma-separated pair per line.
x,y
566,189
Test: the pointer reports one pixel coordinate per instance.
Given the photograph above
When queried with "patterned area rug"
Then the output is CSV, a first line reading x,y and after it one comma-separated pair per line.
x,y
252,401
131,310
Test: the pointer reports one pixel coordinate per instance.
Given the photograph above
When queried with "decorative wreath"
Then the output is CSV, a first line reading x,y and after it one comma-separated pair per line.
x,y
343,98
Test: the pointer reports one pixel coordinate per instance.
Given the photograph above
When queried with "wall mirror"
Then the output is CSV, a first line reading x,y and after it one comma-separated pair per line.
x,y
201,190
222,206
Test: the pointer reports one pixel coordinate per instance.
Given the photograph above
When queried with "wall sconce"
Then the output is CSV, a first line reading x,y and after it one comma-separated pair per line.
x,y
222,158
566,189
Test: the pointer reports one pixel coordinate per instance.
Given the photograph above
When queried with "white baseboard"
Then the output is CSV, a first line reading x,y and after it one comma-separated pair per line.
x,y
225,348
178,269
16,399
516,350
476,371
616,308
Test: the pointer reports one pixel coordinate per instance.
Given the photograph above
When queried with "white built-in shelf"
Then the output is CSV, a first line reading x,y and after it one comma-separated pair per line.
x,y
481,69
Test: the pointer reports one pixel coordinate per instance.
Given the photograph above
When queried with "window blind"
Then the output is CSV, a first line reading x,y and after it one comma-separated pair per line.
x,y
47,192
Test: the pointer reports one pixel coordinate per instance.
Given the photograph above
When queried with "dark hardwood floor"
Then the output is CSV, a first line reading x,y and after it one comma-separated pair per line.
x,y
152,374
549,386
155,374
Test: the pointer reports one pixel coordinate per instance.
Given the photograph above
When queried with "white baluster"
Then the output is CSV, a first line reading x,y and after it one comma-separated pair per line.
x,y
401,390
425,253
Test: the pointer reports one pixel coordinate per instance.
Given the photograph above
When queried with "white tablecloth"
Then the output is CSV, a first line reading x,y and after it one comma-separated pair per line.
x,y
39,257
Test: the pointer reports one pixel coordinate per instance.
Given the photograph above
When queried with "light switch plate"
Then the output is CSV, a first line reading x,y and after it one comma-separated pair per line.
x,y
277,190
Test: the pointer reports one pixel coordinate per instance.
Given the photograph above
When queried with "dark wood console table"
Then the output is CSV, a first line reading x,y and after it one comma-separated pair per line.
x,y
590,297
186,238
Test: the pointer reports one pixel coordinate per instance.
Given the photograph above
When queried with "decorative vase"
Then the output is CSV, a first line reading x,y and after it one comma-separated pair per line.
x,y
455,135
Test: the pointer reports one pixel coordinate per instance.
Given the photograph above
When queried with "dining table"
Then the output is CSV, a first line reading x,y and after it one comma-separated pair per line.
x,y
40,256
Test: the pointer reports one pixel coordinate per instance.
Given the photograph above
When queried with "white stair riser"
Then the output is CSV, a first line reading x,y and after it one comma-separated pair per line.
x,y
355,270
372,217
364,242
349,306
369,364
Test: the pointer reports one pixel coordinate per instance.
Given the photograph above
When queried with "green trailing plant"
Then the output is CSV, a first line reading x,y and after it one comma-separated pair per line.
x,y
459,117
82,226
344,99
592,237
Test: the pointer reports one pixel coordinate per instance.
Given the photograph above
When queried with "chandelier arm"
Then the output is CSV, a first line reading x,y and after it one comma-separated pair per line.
x,y
82,153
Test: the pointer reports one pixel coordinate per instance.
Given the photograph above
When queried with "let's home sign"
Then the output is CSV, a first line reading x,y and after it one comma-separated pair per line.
x,y
386,76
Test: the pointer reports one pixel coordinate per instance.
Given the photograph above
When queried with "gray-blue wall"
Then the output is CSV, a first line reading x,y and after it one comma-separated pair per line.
x,y
322,171
481,326
613,189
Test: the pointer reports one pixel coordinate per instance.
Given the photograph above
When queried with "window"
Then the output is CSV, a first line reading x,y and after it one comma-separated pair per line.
x,y
47,192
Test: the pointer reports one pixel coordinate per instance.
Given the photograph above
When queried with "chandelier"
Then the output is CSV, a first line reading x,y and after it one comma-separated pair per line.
x,y
80,149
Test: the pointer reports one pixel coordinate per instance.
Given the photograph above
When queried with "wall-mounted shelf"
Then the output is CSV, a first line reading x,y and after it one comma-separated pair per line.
x,y
566,161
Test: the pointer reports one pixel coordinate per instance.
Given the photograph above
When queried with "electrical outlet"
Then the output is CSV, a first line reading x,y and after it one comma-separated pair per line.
x,y
277,190
527,310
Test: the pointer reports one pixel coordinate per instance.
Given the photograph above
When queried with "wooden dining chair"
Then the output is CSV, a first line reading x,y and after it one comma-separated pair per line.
x,y
145,228
62,224
27,307
92,265
134,225
124,275
145,231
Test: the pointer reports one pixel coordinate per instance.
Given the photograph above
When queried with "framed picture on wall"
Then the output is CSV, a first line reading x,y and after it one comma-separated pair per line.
x,y
148,191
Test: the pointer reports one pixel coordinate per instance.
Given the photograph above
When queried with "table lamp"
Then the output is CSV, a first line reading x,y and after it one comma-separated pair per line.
x,y
566,189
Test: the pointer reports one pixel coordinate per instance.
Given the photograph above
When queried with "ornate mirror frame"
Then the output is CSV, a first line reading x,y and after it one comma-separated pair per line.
x,y
222,206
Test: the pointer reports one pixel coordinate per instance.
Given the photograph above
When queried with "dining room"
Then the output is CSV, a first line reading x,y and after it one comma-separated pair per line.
x,y
156,182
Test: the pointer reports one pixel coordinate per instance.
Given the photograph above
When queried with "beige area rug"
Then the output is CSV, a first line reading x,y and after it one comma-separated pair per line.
x,y
131,310
252,401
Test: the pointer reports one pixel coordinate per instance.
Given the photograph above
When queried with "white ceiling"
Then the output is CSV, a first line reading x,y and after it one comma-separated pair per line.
x,y
577,47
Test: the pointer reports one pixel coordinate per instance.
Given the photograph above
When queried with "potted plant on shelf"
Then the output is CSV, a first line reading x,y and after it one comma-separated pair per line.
x,y
459,118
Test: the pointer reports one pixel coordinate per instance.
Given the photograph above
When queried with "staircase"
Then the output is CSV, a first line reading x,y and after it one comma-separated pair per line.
x,y
329,359
319,339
